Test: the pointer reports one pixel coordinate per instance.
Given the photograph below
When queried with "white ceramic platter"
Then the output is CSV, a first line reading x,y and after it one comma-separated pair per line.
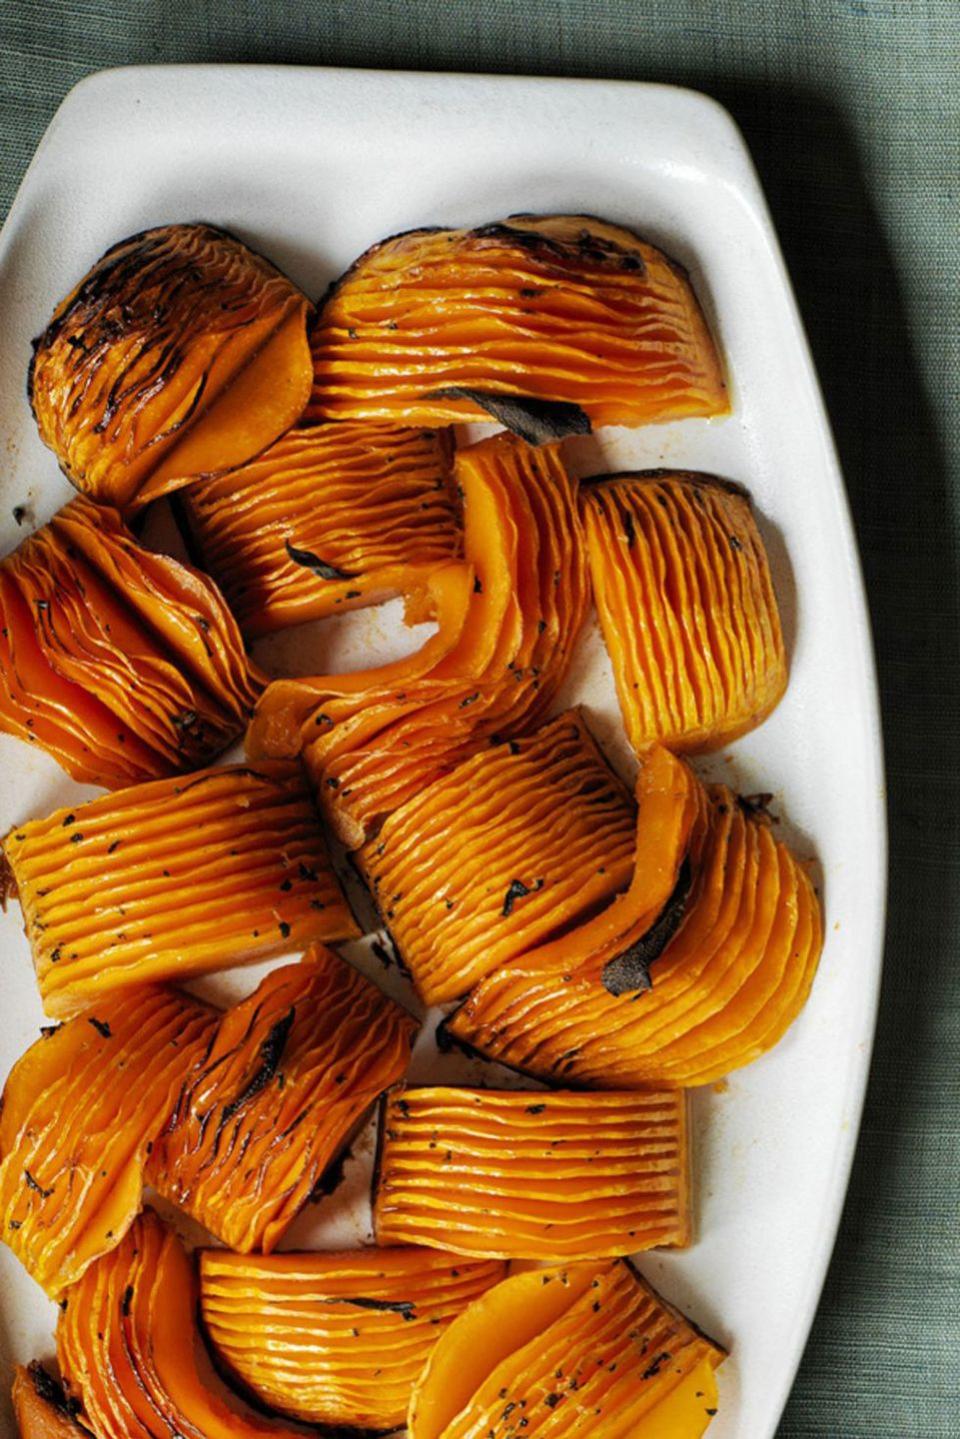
x,y
311,166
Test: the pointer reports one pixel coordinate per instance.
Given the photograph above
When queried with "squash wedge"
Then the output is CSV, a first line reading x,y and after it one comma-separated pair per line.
x,y
547,323
180,353
41,1408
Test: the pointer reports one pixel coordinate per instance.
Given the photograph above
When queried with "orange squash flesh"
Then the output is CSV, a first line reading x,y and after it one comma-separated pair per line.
x,y
519,842
80,1110
336,1339
686,606
524,1175
724,990
125,665
290,1073
372,502
127,1341
41,1408
181,352
174,879
563,308
558,1352
371,742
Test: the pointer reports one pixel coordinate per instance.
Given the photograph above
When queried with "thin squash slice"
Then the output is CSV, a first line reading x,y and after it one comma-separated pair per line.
x,y
125,665
80,1110
519,1174
174,879
290,1074
373,742
524,839
330,518
127,1344
686,606
180,353
544,322
587,1349
720,993
41,1408
335,1339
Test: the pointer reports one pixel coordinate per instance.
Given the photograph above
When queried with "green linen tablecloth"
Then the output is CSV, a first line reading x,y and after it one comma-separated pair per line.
x,y
852,110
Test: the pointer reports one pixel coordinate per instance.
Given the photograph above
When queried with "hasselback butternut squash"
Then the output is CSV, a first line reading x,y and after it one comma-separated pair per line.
x,y
41,1408
123,664
686,606
586,1349
522,840
127,1343
373,742
722,991
180,353
173,879
329,518
545,322
335,1339
517,1174
80,1110
291,1072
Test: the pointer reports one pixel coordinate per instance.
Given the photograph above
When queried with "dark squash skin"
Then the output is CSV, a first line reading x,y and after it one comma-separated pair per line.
x,y
173,332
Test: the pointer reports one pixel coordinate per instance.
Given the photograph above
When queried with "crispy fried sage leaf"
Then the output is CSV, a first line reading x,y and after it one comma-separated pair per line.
x,y
537,421
629,972
313,562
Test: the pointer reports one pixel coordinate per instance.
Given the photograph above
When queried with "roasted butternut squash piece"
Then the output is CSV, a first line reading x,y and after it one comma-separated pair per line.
x,y
372,742
174,879
290,1074
721,992
585,1349
127,1343
686,606
521,841
180,353
516,1174
336,1339
80,1110
545,322
125,665
41,1408
330,518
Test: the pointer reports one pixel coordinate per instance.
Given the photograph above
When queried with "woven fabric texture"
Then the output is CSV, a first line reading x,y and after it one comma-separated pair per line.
x,y
852,110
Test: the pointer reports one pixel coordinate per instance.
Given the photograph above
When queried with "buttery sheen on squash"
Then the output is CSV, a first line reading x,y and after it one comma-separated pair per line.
x,y
174,879
123,664
80,1110
335,1339
330,518
127,1343
517,1174
686,606
376,739
180,353
41,1408
721,992
289,1075
524,839
546,322
583,1349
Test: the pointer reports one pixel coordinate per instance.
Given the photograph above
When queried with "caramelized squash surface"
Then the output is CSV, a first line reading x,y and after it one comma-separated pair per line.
x,y
520,841
558,308
686,606
80,1110
179,353
125,665
40,1407
723,991
527,1175
330,518
290,1073
173,879
372,742
336,1339
587,1349
127,1343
